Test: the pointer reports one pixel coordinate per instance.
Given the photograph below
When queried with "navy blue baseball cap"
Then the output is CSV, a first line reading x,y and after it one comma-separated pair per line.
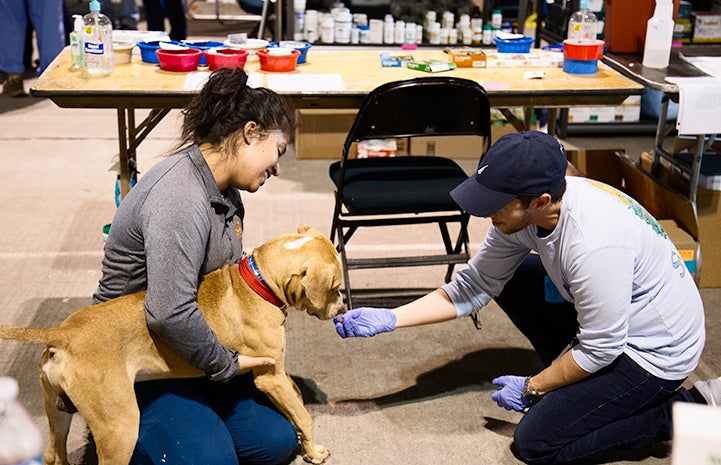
x,y
522,163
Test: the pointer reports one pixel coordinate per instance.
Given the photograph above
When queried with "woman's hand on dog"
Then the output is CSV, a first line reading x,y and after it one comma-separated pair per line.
x,y
248,363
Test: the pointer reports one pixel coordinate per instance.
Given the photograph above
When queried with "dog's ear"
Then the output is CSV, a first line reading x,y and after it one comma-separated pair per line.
x,y
317,281
309,231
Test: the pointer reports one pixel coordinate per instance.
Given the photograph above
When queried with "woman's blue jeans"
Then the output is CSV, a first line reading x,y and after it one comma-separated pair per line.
x,y
621,406
201,422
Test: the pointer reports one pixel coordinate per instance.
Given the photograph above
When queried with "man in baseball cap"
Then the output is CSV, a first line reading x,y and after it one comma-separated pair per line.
x,y
597,287
527,163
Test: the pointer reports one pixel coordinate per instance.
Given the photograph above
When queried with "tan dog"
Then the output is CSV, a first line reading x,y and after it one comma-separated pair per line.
x,y
93,358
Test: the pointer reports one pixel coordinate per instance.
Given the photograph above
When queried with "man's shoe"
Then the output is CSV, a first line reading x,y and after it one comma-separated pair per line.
x,y
710,389
14,86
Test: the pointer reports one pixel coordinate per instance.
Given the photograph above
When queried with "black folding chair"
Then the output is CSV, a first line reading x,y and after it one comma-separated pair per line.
x,y
405,190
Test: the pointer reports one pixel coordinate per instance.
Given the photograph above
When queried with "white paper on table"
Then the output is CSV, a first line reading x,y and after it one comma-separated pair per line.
x,y
306,82
696,434
709,65
196,80
699,105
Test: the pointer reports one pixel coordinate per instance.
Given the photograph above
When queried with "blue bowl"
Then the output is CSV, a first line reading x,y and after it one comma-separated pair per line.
x,y
203,46
302,47
520,45
147,50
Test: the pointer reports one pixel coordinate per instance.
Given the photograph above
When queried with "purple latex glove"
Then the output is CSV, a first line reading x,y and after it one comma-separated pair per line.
x,y
510,396
365,322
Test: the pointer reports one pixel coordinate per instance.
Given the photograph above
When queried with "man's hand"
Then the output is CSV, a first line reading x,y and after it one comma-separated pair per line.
x,y
510,396
247,363
365,322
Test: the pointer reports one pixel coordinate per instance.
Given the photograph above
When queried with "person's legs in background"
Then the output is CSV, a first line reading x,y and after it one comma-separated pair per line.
x,y
13,27
175,11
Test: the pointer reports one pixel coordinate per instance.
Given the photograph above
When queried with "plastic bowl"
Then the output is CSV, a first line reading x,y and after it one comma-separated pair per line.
x,y
278,59
521,45
147,50
202,45
302,47
576,50
122,51
179,60
226,58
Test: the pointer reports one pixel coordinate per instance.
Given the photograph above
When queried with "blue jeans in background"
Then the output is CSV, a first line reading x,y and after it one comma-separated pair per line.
x,y
202,422
621,406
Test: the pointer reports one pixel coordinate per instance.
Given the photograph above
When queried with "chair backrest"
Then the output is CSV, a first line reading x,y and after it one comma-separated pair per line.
x,y
427,106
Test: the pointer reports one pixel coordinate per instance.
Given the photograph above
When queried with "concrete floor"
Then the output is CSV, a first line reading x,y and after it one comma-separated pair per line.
x,y
419,396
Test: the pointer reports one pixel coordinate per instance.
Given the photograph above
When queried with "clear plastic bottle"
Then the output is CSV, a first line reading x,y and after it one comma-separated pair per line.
x,y
20,439
583,24
97,41
659,35
76,42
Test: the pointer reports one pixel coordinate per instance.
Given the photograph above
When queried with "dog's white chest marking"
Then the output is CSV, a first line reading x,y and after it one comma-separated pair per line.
x,y
297,244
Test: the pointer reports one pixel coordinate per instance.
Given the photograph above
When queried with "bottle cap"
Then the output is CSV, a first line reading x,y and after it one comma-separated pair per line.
x,y
94,5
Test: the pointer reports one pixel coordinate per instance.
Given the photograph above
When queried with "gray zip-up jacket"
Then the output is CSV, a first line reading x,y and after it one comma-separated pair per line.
x,y
171,229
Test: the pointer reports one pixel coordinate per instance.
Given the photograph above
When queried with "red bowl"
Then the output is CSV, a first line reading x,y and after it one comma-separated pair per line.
x,y
179,60
269,61
583,50
226,58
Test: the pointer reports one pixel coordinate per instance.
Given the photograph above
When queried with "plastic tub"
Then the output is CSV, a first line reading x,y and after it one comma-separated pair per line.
x,y
576,50
147,50
122,51
202,45
520,45
278,59
302,47
179,60
226,58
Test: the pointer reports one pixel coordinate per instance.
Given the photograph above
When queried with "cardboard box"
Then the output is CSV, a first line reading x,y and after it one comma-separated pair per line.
x,y
468,57
321,133
674,211
707,27
468,147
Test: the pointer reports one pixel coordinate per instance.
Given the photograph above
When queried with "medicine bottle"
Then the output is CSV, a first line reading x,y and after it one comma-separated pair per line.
x,y
327,29
343,25
20,438
389,35
97,41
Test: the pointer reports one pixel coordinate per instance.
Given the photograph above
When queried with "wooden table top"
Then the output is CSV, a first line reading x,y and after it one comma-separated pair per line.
x,y
143,85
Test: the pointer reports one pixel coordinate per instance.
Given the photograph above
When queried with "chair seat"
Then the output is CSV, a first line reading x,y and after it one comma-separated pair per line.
x,y
404,184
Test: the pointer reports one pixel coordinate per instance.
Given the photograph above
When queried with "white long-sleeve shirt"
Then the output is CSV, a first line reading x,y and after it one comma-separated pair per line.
x,y
611,259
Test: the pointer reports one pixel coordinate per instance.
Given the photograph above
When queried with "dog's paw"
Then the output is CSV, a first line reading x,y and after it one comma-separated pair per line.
x,y
316,454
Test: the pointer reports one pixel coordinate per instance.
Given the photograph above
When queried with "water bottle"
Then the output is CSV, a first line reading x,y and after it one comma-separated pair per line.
x,y
659,35
583,24
20,438
97,41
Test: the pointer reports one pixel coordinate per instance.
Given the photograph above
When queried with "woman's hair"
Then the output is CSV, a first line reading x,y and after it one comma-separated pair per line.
x,y
218,114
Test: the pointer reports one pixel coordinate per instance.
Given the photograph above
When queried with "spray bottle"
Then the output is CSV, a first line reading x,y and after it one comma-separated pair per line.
x,y
97,41
76,43
659,35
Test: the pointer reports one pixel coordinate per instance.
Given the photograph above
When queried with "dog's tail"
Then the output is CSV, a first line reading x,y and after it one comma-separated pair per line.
x,y
39,335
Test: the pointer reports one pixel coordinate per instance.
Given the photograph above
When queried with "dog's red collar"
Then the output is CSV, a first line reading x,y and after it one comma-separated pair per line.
x,y
250,274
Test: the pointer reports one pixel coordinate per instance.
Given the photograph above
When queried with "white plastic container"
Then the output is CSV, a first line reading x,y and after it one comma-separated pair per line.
x,y
299,17
327,30
389,35
400,31
310,26
343,25
659,35
583,24
97,41
20,439
411,33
